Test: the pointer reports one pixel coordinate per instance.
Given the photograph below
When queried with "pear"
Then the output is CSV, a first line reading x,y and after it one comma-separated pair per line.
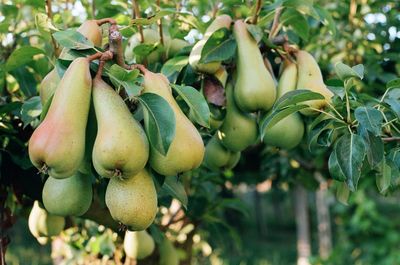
x,y
48,85
221,75
174,46
68,197
239,129
288,132
58,144
42,224
223,21
138,244
121,147
187,148
217,157
168,253
310,78
255,87
133,201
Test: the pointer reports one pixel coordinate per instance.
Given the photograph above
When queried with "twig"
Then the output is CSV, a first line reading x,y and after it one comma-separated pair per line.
x,y
136,14
256,12
275,23
391,139
50,16
115,40
106,20
108,55
160,29
94,56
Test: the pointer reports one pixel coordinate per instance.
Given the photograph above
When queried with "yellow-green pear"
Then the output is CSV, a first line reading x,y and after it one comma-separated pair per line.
x,y
138,244
187,148
48,85
217,157
42,240
68,197
310,78
121,147
133,201
255,88
221,75
288,132
174,46
168,253
239,129
223,21
58,144
43,224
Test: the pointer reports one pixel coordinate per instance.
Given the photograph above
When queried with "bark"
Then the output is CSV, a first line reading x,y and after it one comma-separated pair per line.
x,y
323,218
302,223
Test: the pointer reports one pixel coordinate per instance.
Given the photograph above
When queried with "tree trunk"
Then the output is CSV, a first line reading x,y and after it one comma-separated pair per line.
x,y
323,218
302,224
259,214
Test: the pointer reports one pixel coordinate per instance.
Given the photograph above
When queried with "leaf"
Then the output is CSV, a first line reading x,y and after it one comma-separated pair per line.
x,y
296,21
220,46
128,79
153,19
73,39
342,193
296,96
22,56
45,108
9,107
395,83
374,148
277,115
156,233
334,169
175,188
326,18
350,152
196,102
383,177
303,6
394,104
369,118
26,81
235,204
172,68
30,110
43,24
345,72
255,31
159,121
144,49
317,130
394,156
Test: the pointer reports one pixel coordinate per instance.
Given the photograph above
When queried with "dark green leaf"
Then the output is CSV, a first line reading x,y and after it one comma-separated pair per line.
x,y
296,21
326,18
73,39
369,118
175,188
128,79
26,81
173,67
9,107
334,169
374,147
30,110
383,177
219,47
395,83
143,49
294,97
156,233
255,31
342,193
21,57
394,104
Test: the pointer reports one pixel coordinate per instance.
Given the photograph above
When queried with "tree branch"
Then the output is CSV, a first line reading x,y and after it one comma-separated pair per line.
x,y
275,23
50,16
136,14
391,139
256,12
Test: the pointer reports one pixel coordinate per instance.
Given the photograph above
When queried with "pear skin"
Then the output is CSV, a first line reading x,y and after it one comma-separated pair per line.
x,y
288,132
121,147
223,21
310,78
217,157
186,151
133,201
255,88
138,244
57,197
42,224
239,129
168,253
48,85
58,144
175,46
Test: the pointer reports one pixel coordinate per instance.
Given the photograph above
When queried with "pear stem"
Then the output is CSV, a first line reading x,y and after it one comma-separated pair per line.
x,y
107,55
106,20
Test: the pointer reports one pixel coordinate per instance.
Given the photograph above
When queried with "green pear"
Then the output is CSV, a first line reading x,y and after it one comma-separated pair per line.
x,y
58,199
221,75
121,147
138,244
168,253
310,78
288,132
42,224
217,157
174,46
58,144
223,21
48,85
239,129
133,201
255,88
187,148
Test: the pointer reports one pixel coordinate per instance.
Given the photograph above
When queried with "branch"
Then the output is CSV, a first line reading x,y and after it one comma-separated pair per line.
x,y
160,29
391,139
136,14
50,16
275,23
115,40
256,12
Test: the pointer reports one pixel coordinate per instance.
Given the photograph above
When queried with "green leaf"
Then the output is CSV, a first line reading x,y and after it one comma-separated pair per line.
x,y
326,18
316,131
235,204
175,188
21,57
220,46
196,102
128,79
374,147
383,177
394,156
303,6
394,105
395,83
345,72
26,80
294,97
296,21
350,152
9,107
334,169
255,31
144,49
30,110
44,24
342,193
159,121
156,233
369,118
153,19
172,68
73,39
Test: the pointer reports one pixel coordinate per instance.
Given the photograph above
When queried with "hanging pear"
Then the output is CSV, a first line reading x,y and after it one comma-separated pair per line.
x,y
223,21
121,147
138,245
168,253
57,198
288,132
255,88
217,157
42,224
58,144
175,46
310,78
187,148
48,85
239,129
133,201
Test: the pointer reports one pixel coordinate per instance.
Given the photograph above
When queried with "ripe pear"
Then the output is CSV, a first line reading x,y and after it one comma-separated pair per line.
x,y
239,129
255,88
310,78
48,85
168,253
58,144
288,132
223,21
43,224
138,244
68,197
187,148
121,147
217,157
133,201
